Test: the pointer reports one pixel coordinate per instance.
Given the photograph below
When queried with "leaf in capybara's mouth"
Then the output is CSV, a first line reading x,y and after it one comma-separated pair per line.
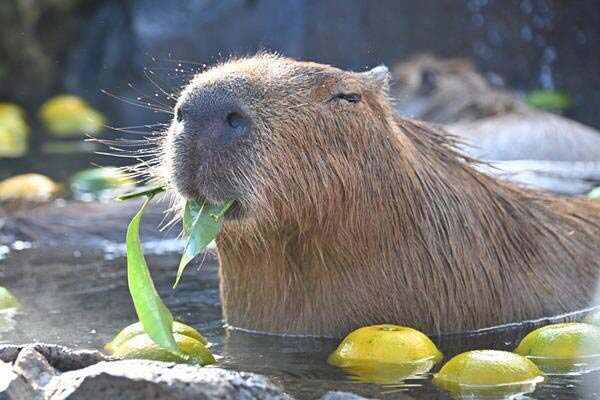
x,y
153,314
202,223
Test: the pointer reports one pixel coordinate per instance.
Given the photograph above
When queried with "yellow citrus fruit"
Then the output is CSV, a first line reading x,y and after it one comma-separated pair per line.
x,y
386,344
137,329
488,372
562,348
387,374
7,300
14,131
12,118
68,115
28,187
133,342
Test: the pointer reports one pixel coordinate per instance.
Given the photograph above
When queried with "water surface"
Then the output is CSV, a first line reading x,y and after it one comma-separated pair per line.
x,y
80,299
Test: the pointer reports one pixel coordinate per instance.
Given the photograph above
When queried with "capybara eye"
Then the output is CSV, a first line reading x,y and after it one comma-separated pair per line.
x,y
428,81
236,120
349,97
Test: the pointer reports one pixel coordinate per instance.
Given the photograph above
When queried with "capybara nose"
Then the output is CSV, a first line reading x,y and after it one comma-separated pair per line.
x,y
212,120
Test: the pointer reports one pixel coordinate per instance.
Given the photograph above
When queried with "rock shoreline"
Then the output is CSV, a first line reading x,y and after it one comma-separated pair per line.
x,y
51,372
70,224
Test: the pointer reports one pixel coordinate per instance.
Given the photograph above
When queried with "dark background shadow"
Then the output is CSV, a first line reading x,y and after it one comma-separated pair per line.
x,y
77,46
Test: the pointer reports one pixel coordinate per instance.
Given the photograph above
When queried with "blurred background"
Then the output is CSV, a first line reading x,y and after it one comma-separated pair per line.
x,y
109,54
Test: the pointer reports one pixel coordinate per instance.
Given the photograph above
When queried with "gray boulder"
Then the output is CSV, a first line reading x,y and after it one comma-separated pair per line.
x,y
140,379
52,372
57,357
13,386
34,369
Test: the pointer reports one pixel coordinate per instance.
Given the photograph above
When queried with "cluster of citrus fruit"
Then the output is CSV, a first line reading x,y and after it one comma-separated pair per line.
x,y
63,116
389,354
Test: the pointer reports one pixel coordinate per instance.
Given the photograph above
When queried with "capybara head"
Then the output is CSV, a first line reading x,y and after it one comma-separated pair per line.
x,y
447,91
260,130
425,75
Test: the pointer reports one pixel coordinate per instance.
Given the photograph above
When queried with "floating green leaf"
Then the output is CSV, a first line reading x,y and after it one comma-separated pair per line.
x,y
202,223
549,100
98,183
153,314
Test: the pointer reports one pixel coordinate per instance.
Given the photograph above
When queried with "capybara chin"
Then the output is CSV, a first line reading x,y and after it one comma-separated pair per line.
x,y
347,215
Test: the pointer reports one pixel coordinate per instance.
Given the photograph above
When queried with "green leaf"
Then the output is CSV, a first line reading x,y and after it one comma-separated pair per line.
x,y
595,194
152,313
202,223
191,212
549,100
151,191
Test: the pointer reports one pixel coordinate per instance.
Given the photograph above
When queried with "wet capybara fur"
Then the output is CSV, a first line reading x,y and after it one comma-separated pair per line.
x,y
347,215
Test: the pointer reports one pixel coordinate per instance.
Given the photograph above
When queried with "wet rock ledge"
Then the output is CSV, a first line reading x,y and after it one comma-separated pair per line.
x,y
51,372
74,224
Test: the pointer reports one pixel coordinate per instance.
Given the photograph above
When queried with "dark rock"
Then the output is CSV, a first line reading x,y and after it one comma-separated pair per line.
x,y
9,352
34,37
58,357
103,44
139,379
41,371
33,367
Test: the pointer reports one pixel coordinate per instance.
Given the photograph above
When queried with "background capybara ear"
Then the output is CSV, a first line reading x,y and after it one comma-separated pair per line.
x,y
379,77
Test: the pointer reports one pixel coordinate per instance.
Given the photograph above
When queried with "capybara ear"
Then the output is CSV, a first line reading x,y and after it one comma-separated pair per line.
x,y
379,76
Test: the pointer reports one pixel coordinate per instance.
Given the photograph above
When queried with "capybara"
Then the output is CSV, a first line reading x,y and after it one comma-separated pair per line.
x,y
348,215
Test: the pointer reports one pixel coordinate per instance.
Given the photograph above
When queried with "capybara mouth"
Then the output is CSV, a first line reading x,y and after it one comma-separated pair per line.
x,y
201,183
216,194
235,212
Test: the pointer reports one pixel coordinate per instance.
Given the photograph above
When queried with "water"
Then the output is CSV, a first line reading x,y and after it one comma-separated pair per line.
x,y
80,299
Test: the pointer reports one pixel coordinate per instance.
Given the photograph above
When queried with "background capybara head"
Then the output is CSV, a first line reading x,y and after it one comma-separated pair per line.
x,y
274,133
446,91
